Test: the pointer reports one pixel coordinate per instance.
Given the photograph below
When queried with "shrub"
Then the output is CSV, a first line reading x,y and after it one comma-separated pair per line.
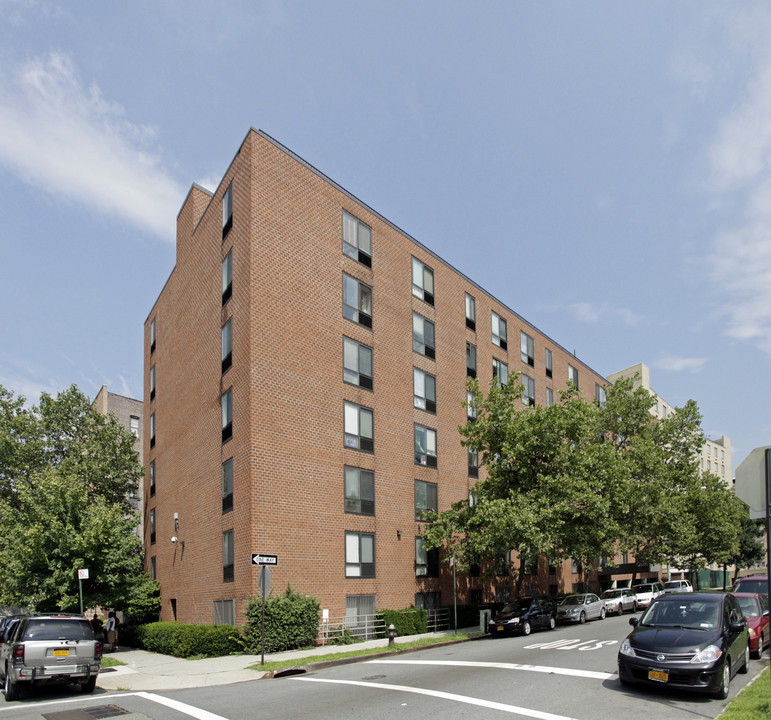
x,y
410,621
182,640
291,622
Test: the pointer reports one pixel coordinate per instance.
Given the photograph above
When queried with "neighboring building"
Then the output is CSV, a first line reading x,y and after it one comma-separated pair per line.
x,y
305,377
129,413
715,455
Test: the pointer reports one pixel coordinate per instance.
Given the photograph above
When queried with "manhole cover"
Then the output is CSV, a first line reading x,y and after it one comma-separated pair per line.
x,y
373,677
92,713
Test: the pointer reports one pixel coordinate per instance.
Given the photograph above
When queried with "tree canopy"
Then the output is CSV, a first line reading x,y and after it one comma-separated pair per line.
x,y
67,477
581,480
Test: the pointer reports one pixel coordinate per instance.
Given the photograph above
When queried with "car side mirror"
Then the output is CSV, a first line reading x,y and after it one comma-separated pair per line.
x,y
633,621
737,626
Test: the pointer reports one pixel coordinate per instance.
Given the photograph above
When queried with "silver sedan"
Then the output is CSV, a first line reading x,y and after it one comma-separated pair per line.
x,y
580,608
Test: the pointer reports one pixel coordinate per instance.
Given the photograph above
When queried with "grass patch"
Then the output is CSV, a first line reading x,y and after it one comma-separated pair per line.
x,y
752,703
111,662
399,647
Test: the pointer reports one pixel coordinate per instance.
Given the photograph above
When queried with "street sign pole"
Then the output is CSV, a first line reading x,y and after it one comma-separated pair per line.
x,y
263,560
82,575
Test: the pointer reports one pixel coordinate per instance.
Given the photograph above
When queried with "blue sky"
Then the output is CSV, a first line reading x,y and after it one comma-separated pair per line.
x,y
603,168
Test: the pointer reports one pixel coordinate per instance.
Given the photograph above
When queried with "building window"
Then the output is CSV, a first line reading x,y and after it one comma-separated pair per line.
x,y
152,430
152,383
227,211
573,375
357,301
228,557
357,239
471,405
152,526
134,425
227,276
473,463
227,345
152,478
422,281
359,491
359,555
357,363
526,349
227,415
549,397
359,427
499,331
425,446
471,312
424,394
224,612
426,561
599,394
423,336
152,335
429,601
425,498
625,558
471,360
500,371
548,358
153,571
360,616
528,394
227,485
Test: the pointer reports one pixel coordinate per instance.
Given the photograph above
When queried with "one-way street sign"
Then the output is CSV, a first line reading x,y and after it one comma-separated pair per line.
x,y
264,559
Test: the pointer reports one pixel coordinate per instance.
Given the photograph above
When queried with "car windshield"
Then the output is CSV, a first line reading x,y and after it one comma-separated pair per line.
x,y
750,606
643,588
611,593
573,600
682,613
673,584
517,606
752,586
58,630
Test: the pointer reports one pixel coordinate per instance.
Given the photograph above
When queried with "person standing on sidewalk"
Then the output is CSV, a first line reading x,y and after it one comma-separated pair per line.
x,y
112,631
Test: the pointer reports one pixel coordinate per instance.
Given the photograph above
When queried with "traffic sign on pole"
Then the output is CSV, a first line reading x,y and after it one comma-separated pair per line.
x,y
264,559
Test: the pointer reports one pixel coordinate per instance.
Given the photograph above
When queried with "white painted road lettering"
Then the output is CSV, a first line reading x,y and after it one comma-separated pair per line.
x,y
573,644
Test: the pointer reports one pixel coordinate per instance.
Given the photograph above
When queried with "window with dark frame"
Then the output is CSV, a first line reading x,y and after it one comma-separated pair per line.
x,y
498,325
500,371
152,478
227,485
357,301
471,312
228,557
358,427
153,571
424,390
357,239
357,363
528,394
359,491
548,359
152,383
549,397
152,430
227,415
152,335
527,349
473,463
573,375
599,394
471,360
425,446
422,281
227,276
359,554
471,405
426,561
423,340
152,526
425,498
227,346
227,211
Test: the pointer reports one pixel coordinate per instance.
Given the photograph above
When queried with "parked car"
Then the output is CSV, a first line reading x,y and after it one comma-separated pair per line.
x,y
675,586
42,649
647,593
523,616
580,608
619,600
755,609
752,584
694,641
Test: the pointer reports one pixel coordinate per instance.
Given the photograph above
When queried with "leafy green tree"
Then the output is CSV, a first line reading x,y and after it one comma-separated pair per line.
x,y
66,477
751,549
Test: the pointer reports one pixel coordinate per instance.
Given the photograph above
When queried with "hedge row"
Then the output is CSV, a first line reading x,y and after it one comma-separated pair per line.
x,y
410,621
182,640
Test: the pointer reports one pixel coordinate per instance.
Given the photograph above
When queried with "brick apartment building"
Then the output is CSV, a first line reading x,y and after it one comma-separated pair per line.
x,y
305,374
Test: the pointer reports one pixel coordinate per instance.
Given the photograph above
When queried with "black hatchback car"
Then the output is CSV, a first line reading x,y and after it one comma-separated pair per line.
x,y
523,616
691,641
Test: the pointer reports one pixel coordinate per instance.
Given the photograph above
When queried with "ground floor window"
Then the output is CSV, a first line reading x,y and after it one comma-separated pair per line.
x,y
360,615
224,612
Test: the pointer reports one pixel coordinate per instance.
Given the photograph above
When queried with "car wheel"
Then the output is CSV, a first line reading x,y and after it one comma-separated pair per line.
x,y
11,689
602,613
725,683
582,617
552,622
745,667
88,687
526,628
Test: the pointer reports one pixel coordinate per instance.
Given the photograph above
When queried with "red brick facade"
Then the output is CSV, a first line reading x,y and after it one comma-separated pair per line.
x,y
289,392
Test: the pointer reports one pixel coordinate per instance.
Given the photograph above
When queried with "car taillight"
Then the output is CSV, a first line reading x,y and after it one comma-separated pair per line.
x,y
18,653
98,651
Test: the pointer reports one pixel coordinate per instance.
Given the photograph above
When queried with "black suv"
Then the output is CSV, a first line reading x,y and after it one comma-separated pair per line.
x,y
49,649
523,616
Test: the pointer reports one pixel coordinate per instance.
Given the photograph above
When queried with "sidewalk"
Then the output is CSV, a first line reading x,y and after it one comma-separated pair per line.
x,y
150,671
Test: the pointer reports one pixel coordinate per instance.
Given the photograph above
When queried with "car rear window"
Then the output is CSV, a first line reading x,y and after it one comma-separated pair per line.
x,y
752,586
64,629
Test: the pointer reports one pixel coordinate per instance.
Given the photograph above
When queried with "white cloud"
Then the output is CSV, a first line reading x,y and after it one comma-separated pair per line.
x,y
680,364
69,141
592,313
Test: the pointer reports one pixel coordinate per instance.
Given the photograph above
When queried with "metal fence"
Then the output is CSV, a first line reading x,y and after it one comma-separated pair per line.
x,y
342,630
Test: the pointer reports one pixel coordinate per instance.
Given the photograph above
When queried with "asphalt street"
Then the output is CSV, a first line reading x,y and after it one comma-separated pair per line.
x,y
565,673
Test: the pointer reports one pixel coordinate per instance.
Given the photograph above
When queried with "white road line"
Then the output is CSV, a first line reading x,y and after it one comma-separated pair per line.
x,y
513,709
503,666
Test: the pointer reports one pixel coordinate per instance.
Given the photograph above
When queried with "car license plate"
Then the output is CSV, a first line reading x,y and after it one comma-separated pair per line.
x,y
658,675
499,628
61,653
